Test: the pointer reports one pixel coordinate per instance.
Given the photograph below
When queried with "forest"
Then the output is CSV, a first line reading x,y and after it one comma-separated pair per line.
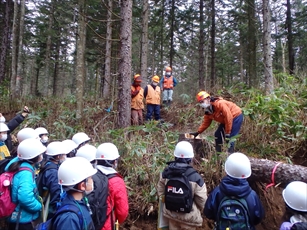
x,y
72,63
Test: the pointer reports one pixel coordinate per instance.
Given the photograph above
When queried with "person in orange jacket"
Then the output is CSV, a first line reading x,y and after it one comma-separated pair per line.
x,y
152,95
227,113
137,104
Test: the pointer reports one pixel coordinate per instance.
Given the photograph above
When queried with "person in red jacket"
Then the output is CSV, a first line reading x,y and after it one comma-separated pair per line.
x,y
118,207
227,113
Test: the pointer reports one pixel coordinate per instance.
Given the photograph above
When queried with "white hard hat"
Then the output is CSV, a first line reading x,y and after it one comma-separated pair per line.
x,y
295,196
184,149
26,133
56,148
30,148
238,166
74,170
70,145
88,152
41,131
80,138
3,127
107,151
2,119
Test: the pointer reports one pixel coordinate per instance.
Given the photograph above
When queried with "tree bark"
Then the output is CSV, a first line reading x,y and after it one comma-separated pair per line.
x,y
80,70
106,90
212,78
5,43
201,72
267,53
144,42
290,38
124,101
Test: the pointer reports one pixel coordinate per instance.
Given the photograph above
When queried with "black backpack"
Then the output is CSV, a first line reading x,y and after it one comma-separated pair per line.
x,y
178,191
98,198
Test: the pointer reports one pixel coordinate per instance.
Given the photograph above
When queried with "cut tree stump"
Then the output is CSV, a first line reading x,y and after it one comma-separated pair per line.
x,y
200,146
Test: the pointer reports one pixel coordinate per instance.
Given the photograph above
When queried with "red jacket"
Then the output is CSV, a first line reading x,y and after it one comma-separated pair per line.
x,y
117,201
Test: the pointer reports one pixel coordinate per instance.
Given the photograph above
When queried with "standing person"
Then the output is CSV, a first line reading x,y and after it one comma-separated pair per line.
x,y
13,124
71,147
152,95
75,176
24,189
137,104
118,207
4,151
295,197
167,84
43,135
81,139
227,113
173,210
234,189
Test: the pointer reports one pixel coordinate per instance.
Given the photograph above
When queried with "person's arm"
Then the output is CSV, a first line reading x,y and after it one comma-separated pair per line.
x,y
200,196
161,185
206,123
121,205
67,220
161,83
53,185
175,82
211,205
18,119
257,209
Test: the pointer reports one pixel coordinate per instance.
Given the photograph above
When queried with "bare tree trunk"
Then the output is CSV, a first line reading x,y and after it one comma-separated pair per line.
x,y
107,74
144,42
20,76
14,50
212,78
172,51
57,80
283,47
162,37
284,173
5,43
290,38
124,101
47,79
201,73
267,53
80,70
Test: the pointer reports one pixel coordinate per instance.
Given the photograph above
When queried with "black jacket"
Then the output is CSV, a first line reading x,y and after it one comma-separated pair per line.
x,y
12,125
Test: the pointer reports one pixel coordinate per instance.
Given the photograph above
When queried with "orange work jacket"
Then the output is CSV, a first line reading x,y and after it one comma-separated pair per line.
x,y
224,113
137,101
153,95
168,82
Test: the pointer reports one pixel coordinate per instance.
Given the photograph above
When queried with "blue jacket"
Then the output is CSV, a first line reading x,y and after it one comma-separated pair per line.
x,y
24,194
12,125
69,220
234,187
51,183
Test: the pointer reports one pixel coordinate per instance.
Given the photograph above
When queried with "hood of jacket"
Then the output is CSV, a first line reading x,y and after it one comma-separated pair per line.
x,y
175,168
233,186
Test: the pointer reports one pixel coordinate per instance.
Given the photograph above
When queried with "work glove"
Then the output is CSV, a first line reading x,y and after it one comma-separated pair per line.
x,y
194,134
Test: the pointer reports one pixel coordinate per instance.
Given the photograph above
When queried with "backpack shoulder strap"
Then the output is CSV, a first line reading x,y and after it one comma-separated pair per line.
x,y
69,208
25,169
111,175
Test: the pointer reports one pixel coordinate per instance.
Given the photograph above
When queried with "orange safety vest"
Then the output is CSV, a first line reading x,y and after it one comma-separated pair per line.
x,y
137,101
153,95
168,82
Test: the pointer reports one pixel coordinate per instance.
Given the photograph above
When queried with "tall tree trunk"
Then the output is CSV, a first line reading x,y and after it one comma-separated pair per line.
x,y
162,37
80,70
14,50
144,42
57,80
201,72
20,76
267,53
124,101
107,72
290,38
47,79
5,43
251,41
172,51
212,78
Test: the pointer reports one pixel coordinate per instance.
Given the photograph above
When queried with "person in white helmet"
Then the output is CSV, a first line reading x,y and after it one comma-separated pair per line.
x,y
24,189
81,139
118,207
75,177
43,135
71,147
235,184
182,219
4,151
13,124
47,180
295,197
88,152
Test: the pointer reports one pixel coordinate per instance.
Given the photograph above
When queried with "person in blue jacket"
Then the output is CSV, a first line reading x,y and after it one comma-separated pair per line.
x,y
56,152
24,190
238,168
75,176
13,124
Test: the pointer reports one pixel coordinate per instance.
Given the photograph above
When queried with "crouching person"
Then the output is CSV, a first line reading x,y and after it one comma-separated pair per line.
x,y
184,190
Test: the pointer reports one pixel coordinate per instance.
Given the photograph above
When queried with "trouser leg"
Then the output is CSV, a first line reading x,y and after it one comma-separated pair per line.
x,y
219,135
150,109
